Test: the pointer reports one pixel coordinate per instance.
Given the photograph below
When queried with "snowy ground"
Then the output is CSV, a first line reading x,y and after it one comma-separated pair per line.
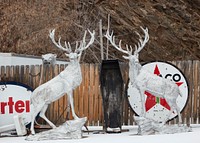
x,y
124,137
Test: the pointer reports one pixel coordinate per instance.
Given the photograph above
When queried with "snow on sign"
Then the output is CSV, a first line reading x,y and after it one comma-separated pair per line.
x,y
14,100
157,108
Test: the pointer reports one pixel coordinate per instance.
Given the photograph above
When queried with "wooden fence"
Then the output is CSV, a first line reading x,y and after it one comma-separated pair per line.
x,y
87,97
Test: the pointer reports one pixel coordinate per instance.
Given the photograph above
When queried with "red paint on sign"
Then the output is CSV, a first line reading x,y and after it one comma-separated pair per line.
x,y
18,106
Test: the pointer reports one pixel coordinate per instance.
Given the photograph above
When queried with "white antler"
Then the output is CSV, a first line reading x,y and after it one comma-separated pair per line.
x,y
67,45
83,45
111,38
142,42
128,50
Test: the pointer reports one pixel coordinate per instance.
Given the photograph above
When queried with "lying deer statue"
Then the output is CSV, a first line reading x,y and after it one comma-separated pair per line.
x,y
143,80
62,84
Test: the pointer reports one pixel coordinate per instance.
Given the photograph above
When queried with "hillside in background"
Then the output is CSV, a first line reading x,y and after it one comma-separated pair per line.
x,y
173,26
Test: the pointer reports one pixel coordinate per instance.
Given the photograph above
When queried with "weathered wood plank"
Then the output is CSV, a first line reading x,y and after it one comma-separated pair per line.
x,y
62,103
80,101
91,95
7,73
184,112
55,106
182,66
3,73
198,70
17,73
32,73
86,91
195,88
131,117
188,75
96,95
26,75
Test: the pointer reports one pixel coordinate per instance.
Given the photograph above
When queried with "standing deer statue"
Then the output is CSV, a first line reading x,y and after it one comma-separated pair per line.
x,y
62,84
143,80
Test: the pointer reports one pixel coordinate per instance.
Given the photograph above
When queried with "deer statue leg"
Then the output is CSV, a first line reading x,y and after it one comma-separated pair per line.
x,y
176,108
143,113
33,116
42,115
32,123
170,103
71,100
173,107
179,116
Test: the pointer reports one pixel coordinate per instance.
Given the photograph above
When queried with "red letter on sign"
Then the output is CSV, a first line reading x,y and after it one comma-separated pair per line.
x,y
19,106
27,106
3,104
10,104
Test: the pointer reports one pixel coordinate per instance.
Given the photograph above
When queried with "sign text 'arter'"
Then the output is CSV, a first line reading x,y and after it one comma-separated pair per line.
x,y
11,106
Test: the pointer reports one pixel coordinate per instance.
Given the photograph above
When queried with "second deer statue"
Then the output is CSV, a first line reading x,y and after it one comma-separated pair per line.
x,y
62,84
143,80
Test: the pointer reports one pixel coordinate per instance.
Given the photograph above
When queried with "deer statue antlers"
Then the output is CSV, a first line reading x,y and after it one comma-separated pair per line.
x,y
67,47
129,49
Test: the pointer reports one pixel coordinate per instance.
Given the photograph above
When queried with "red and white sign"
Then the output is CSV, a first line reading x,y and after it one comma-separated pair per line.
x,y
14,100
157,108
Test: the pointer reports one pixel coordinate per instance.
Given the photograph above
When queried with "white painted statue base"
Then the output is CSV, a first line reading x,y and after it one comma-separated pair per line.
x,y
71,129
147,126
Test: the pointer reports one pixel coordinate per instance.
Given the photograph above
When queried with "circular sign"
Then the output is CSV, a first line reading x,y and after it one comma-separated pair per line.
x,y
157,108
14,100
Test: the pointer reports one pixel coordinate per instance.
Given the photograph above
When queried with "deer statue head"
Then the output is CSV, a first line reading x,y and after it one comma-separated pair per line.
x,y
73,56
134,57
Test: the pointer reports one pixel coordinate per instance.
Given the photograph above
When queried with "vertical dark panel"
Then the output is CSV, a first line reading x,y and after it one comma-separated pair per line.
x,y
112,93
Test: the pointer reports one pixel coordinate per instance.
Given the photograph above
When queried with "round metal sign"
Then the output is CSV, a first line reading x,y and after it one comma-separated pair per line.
x,y
157,108
14,100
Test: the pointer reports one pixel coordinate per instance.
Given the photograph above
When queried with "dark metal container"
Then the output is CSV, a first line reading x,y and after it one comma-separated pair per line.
x,y
112,89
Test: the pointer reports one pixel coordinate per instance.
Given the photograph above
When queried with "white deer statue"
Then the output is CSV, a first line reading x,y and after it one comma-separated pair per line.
x,y
62,84
47,59
143,80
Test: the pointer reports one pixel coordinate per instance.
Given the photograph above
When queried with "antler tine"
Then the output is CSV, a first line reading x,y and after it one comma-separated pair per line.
x,y
111,38
83,41
83,45
131,49
76,45
68,46
58,45
91,39
142,42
